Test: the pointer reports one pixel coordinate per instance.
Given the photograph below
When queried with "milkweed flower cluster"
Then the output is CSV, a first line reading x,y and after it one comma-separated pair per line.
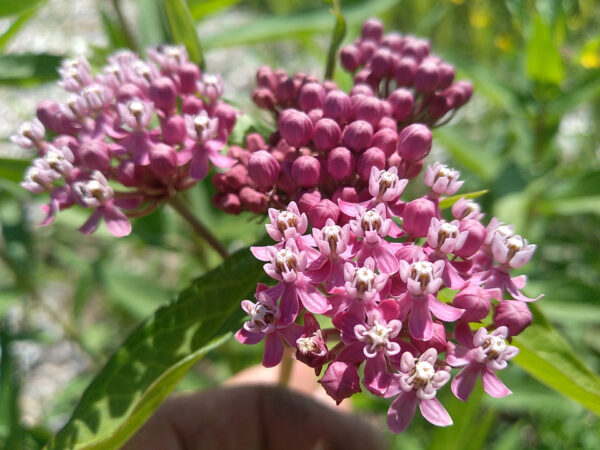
x,y
327,140
152,127
403,288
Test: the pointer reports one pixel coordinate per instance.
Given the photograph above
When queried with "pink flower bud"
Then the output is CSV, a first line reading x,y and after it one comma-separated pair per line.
x,y
189,74
307,200
475,236
163,93
345,193
412,169
381,64
264,98
372,29
266,78
427,77
368,109
230,203
476,302
286,181
173,130
315,115
253,200
128,92
255,142
305,171
322,211
357,136
95,155
401,101
367,50
437,341
326,134
417,216
514,315
340,163
126,174
286,91
363,89
227,116
163,159
405,71
438,106
191,105
312,96
237,152
372,157
263,169
337,106
219,182
446,72
340,381
46,113
467,90
385,139
387,122
350,57
236,177
414,142
295,127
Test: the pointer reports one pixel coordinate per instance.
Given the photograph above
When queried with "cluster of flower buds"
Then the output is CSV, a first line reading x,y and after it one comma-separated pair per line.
x,y
327,140
419,85
403,288
153,127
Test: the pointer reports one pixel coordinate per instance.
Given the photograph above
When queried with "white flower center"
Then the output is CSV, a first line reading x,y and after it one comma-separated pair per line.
x,y
423,372
363,280
210,79
504,231
371,221
285,220
285,261
261,314
444,171
136,107
378,335
308,344
494,346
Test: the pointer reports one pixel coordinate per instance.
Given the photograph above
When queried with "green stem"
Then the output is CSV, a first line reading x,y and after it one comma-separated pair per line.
x,y
199,228
286,365
131,41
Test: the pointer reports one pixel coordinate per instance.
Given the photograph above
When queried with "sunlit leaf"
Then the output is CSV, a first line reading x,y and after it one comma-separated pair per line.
x,y
28,68
450,201
203,8
543,60
183,29
13,7
339,31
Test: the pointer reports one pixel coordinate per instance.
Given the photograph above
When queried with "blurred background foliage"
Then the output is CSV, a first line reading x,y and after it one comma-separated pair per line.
x,y
528,135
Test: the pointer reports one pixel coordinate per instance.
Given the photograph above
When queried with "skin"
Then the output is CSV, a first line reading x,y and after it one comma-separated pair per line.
x,y
256,416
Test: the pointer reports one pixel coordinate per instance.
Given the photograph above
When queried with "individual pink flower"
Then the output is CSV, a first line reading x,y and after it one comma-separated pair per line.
x,y
265,322
385,185
442,180
513,252
311,346
334,244
30,134
418,382
210,86
481,354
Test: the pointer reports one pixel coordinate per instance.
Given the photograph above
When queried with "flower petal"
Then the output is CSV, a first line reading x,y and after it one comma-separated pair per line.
x,y
420,323
443,311
492,384
434,412
464,382
401,412
273,350
117,223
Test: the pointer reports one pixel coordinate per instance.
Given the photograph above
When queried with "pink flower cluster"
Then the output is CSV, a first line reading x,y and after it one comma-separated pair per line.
x,y
153,127
419,85
402,288
327,140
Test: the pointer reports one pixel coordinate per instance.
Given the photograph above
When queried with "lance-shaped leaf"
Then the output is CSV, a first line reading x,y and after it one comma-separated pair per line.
x,y
339,31
547,356
148,366
448,202
183,29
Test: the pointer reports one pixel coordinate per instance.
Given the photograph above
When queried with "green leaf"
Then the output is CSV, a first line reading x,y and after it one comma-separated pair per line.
x,y
11,431
339,32
448,202
13,7
152,25
273,28
543,60
28,68
15,27
183,29
145,369
115,33
547,356
203,8
569,206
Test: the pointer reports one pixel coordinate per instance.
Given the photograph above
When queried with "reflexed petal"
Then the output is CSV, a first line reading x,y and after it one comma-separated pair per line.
x,y
402,411
434,412
117,223
312,299
420,323
273,350
493,386
243,336
443,311
464,382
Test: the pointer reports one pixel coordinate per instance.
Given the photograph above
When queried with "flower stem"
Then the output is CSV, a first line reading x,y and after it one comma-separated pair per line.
x,y
199,228
285,368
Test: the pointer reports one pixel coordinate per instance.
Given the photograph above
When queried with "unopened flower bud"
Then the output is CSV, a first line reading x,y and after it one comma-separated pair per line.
x,y
475,236
372,157
372,29
46,113
322,211
253,200
340,381
305,171
427,77
307,200
363,89
126,174
189,74
95,155
173,130
417,216
446,73
357,136
236,177
514,315
385,139
437,341
337,106
345,193
350,56
295,127
401,101
264,98
340,163
438,106
405,71
163,93
326,134
263,169
286,91
163,159
312,96
192,105
367,50
128,92
265,77
255,142
381,63
414,142
239,153
230,203
476,302
368,109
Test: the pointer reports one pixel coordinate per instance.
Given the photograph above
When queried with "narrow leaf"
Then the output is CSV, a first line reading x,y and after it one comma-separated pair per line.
x,y
28,68
13,169
339,31
203,8
15,27
183,29
547,356
13,7
448,202
543,60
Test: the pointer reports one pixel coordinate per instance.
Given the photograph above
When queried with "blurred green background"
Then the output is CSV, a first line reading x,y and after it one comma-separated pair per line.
x,y
529,134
